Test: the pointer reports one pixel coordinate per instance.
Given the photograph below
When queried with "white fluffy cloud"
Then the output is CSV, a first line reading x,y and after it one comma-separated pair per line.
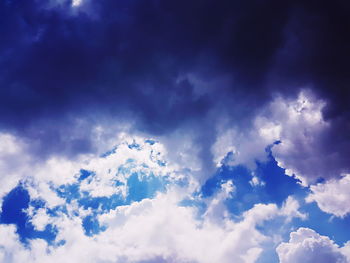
x,y
299,126
151,229
173,233
297,123
147,230
333,196
307,246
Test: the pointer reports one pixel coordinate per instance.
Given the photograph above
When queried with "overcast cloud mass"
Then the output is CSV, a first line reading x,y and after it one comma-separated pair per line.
x,y
174,131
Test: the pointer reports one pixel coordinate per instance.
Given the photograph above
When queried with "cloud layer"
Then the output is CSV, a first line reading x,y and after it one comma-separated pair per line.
x,y
163,67
247,108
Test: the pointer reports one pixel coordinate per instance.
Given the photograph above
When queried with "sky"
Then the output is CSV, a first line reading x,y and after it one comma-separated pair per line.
x,y
157,131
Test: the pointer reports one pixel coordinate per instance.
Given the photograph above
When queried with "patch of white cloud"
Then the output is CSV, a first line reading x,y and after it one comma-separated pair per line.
x,y
333,196
290,209
307,246
145,161
152,228
246,147
345,250
13,162
146,230
301,127
256,181
42,176
184,154
39,218
216,208
10,248
173,232
298,124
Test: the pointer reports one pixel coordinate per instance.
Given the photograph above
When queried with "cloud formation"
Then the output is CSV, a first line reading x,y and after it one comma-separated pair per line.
x,y
112,209
332,196
163,67
308,246
235,96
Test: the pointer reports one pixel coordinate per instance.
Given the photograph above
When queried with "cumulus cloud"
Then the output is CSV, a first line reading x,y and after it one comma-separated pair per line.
x,y
172,232
151,228
333,196
298,127
300,130
306,245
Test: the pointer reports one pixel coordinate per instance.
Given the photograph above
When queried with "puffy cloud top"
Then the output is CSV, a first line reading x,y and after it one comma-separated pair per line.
x,y
332,196
305,245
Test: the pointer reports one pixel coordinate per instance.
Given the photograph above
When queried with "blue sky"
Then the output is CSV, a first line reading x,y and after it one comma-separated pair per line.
x,y
187,131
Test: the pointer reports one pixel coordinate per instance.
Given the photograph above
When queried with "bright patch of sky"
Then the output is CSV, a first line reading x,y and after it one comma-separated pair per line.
x,y
76,2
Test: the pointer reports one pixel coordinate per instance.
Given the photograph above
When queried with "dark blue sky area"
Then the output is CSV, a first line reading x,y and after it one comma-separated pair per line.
x,y
14,204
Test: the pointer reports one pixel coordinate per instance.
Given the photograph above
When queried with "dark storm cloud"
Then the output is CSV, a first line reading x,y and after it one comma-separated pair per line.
x,y
131,54
316,51
316,54
133,57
